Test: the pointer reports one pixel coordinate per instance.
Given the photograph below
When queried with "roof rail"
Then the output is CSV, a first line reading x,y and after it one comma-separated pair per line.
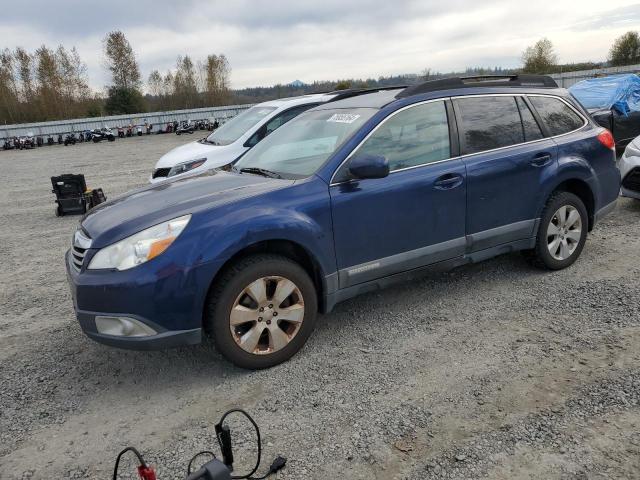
x,y
354,92
520,80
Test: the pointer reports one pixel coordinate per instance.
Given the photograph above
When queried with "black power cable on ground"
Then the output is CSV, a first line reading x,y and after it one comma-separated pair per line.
x,y
224,440
213,469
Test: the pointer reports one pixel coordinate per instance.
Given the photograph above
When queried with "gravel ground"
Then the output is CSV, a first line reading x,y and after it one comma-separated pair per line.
x,y
493,370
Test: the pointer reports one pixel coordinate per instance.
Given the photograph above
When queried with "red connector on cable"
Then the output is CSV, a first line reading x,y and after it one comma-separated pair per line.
x,y
146,472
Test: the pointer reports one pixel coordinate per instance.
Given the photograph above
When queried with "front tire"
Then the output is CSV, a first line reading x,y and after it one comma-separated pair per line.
x,y
562,232
261,311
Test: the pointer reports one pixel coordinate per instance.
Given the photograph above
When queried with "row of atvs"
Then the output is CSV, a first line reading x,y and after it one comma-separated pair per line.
x,y
31,141
105,133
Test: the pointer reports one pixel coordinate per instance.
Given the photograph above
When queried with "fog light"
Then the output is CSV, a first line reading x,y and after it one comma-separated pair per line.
x,y
123,327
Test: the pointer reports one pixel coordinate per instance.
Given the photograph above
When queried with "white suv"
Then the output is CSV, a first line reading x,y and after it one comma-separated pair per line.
x,y
630,170
235,137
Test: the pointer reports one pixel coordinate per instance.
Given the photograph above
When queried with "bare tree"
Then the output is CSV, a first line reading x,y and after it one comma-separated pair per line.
x,y
8,87
74,90
216,82
49,83
24,62
154,83
185,83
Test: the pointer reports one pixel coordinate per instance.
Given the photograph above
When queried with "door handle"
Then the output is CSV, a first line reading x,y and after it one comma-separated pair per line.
x,y
541,160
448,181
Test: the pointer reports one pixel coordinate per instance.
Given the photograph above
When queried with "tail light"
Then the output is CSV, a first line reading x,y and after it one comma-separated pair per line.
x,y
606,138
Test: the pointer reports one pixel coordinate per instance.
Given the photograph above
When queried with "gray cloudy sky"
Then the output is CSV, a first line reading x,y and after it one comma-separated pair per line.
x,y
278,41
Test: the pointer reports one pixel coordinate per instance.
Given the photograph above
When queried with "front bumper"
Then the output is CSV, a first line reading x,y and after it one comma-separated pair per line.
x,y
161,340
161,296
630,171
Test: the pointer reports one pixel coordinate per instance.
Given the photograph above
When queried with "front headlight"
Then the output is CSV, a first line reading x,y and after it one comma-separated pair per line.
x,y
186,166
141,247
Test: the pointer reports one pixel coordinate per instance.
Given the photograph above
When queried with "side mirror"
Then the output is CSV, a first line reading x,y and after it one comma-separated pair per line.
x,y
369,166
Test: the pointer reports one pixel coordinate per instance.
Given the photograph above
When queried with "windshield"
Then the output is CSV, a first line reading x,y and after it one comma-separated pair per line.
x,y
238,125
299,148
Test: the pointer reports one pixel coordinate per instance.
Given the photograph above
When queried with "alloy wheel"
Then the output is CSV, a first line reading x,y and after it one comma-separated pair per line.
x,y
267,315
564,232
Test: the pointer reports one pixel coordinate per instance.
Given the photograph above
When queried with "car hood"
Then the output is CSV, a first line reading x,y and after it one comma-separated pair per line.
x,y
195,150
148,206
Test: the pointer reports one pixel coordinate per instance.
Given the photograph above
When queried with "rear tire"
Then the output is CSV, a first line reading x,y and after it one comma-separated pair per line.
x,y
261,311
562,232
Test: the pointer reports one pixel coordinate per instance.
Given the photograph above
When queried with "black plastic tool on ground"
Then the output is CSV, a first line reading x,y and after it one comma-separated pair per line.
x,y
72,195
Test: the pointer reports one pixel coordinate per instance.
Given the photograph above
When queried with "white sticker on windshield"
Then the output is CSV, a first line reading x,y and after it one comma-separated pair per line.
x,y
343,117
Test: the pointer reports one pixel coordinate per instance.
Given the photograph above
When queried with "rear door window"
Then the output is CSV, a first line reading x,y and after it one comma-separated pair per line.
x,y
556,115
487,123
530,127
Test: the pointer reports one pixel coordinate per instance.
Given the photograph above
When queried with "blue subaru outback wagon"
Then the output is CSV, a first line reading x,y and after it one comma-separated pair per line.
x,y
346,198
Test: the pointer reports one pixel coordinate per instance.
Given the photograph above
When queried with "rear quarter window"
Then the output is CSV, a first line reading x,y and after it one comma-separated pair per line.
x,y
557,116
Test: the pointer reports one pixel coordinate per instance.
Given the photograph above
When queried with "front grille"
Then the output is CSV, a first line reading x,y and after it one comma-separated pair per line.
x,y
632,180
81,243
77,256
161,172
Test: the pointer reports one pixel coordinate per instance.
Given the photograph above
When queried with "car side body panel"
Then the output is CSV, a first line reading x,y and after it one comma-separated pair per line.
x,y
302,216
359,235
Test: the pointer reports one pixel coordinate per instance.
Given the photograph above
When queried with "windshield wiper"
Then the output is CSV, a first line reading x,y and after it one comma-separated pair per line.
x,y
261,171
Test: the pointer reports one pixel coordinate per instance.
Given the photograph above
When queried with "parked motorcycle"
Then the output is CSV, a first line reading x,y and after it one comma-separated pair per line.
x,y
70,139
27,142
8,144
139,130
120,132
185,127
39,141
50,140
130,131
60,139
100,134
30,141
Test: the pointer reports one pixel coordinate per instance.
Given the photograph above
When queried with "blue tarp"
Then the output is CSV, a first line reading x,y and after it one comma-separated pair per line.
x,y
618,92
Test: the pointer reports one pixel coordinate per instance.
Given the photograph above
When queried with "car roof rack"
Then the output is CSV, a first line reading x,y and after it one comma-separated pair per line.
x,y
354,92
520,80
